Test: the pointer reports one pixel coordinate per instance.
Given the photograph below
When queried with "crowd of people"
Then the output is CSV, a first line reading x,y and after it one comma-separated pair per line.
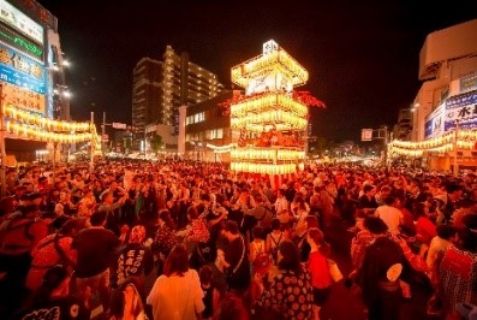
x,y
180,240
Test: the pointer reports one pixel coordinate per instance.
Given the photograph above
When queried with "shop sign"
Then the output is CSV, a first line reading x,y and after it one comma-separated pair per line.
x,y
19,21
21,71
23,99
461,109
21,43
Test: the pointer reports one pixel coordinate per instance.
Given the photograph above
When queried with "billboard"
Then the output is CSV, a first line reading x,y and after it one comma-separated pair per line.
x,y
18,21
21,43
24,99
461,108
21,71
434,126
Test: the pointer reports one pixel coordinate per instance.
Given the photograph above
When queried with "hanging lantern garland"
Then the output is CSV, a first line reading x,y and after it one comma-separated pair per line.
x,y
30,126
466,139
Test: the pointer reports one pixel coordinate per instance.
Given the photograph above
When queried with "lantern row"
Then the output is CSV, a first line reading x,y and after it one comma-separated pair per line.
x,y
436,142
270,117
35,133
275,62
262,168
49,124
267,154
269,101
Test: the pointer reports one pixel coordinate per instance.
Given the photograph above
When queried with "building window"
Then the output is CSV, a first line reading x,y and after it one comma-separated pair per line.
x,y
215,134
195,118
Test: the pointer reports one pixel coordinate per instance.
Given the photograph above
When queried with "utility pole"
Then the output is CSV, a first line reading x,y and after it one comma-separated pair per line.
x,y
91,161
455,166
3,179
103,134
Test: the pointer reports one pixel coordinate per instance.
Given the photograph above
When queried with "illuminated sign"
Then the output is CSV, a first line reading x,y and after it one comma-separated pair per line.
x,y
20,43
461,109
16,19
434,126
468,83
23,99
21,71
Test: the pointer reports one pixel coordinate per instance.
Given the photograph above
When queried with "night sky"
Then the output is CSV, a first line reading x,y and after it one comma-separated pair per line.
x,y
362,56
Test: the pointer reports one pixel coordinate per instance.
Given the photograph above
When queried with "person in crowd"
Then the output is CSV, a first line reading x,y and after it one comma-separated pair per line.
x,y
55,249
458,268
54,299
20,232
95,248
288,292
126,303
177,294
274,239
236,257
319,269
135,261
391,216
367,202
373,228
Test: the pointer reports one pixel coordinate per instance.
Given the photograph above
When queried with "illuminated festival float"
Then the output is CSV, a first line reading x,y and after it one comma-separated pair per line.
x,y
271,119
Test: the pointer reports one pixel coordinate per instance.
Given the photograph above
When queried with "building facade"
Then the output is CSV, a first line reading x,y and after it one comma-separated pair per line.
x,y
31,67
447,56
161,87
208,136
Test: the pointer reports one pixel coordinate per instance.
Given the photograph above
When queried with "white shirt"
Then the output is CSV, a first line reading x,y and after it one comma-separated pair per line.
x,y
436,248
176,298
281,204
391,217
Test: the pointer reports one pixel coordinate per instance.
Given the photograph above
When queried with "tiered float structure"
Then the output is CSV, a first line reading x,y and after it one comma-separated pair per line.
x,y
269,122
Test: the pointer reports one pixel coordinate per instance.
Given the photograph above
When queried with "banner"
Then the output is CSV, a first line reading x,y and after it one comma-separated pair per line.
x,y
461,109
21,71
24,99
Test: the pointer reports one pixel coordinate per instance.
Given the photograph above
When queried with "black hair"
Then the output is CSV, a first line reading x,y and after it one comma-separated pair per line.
x,y
445,231
98,218
368,188
290,257
232,227
389,200
375,225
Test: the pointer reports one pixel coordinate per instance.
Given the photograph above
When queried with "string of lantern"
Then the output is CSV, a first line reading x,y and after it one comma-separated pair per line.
x,y
268,101
274,62
264,168
49,124
277,116
464,139
267,154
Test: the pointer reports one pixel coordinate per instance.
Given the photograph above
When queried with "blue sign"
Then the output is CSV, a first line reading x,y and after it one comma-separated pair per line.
x,y
19,70
462,100
20,79
461,109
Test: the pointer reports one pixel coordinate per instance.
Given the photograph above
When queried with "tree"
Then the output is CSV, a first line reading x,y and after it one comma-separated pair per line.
x,y
156,142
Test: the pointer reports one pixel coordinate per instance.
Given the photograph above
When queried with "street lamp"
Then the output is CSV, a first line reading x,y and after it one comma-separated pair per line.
x,y
67,94
65,63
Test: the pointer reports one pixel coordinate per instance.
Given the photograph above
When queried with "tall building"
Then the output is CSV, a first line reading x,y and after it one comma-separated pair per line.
x,y
161,87
402,129
147,93
447,56
31,67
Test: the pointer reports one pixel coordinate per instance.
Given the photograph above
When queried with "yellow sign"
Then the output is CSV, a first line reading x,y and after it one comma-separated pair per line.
x,y
23,99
